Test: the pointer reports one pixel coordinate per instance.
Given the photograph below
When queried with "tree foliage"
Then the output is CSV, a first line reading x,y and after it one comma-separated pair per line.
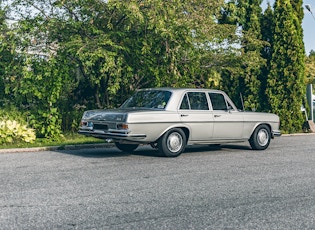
x,y
7,51
78,55
267,28
63,57
286,80
310,68
244,79
252,45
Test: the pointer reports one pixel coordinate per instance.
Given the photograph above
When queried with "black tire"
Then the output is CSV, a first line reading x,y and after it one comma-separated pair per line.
x,y
260,138
172,143
154,145
127,148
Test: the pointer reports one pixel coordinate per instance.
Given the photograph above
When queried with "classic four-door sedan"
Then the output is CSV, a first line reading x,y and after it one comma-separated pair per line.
x,y
171,118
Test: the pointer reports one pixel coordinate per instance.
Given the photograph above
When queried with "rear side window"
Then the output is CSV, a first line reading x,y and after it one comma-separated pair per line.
x,y
218,101
185,103
195,101
150,99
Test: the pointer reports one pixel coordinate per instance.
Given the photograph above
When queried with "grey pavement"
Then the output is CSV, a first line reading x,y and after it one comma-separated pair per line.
x,y
231,187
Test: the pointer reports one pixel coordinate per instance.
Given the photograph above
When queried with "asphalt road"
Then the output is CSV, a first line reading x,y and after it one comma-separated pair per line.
x,y
231,187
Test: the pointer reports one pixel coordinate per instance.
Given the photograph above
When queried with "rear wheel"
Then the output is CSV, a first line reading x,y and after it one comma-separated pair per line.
x,y
260,138
172,143
128,148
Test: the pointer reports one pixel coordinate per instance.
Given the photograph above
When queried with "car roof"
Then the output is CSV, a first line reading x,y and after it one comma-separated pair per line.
x,y
177,94
182,89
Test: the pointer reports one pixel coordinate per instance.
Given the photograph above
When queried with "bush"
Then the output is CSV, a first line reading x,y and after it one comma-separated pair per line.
x,y
13,128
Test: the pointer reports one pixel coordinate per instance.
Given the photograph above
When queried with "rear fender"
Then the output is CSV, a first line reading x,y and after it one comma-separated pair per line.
x,y
185,128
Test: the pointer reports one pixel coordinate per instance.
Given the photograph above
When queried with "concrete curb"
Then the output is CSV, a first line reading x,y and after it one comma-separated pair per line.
x,y
57,148
297,134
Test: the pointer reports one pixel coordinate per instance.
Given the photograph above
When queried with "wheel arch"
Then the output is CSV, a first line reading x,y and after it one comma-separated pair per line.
x,y
184,128
259,124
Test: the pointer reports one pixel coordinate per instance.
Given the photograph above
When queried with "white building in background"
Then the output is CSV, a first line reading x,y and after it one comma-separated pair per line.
x,y
37,46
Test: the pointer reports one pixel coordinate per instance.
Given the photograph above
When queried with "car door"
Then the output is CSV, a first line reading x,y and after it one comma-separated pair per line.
x,y
228,121
194,112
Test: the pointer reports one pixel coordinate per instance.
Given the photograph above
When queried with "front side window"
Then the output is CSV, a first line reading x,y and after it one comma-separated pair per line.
x,y
195,101
150,99
218,101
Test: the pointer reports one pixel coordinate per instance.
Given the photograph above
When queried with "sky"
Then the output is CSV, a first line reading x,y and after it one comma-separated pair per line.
x,y
308,24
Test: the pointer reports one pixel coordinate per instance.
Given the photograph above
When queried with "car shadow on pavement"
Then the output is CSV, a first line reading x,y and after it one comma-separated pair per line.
x,y
210,148
95,152
110,152
241,147
145,151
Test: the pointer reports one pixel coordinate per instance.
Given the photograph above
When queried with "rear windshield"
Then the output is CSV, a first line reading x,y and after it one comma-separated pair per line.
x,y
150,99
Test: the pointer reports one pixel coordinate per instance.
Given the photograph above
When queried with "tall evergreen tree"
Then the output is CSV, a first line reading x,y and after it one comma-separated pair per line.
x,y
286,80
250,14
267,25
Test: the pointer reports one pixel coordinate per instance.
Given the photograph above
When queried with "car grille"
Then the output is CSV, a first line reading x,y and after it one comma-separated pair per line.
x,y
100,127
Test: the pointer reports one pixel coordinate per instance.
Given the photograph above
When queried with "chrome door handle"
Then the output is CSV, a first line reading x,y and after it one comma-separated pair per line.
x,y
184,115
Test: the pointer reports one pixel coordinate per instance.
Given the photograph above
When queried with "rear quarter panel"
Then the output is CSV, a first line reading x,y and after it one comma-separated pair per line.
x,y
152,123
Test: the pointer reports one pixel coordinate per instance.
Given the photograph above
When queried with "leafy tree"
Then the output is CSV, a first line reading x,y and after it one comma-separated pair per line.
x,y
5,52
243,78
2,52
252,45
77,55
33,82
285,87
127,44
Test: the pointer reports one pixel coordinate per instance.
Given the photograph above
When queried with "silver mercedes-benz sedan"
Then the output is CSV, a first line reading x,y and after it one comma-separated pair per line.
x,y
172,118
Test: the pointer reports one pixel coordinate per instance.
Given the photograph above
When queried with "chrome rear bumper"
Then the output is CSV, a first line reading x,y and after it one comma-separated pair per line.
x,y
111,135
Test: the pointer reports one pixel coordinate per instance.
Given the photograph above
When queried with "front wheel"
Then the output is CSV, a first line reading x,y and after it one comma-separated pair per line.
x,y
127,148
172,143
260,138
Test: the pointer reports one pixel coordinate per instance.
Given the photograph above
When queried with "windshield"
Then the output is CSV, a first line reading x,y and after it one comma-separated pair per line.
x,y
151,99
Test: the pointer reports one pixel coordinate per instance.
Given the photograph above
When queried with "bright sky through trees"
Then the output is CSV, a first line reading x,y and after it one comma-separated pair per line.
x,y
308,24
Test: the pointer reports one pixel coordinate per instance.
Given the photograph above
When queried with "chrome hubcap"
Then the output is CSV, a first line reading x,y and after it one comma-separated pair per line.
x,y
263,137
174,142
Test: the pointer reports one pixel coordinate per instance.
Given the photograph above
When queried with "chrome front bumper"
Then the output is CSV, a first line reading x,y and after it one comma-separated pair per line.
x,y
276,133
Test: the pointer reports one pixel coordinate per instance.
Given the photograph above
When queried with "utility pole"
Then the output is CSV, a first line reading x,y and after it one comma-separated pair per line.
x,y
309,90
308,7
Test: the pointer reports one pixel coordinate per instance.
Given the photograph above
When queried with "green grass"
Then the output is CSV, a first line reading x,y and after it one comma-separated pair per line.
x,y
69,139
